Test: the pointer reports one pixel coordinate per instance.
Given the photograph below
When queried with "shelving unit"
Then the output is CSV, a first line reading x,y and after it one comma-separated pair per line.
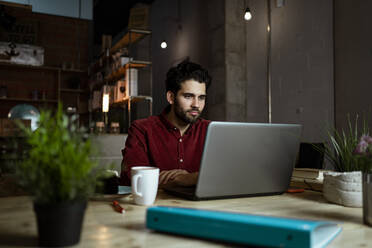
x,y
15,99
32,67
78,91
49,83
131,37
120,73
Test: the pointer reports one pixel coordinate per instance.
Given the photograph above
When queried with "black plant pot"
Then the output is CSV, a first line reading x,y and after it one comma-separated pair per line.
x,y
60,224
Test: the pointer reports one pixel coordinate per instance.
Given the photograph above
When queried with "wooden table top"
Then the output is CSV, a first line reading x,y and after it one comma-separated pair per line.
x,y
103,227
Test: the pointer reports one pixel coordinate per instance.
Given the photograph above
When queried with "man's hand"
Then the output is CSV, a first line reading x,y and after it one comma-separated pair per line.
x,y
188,179
177,177
167,176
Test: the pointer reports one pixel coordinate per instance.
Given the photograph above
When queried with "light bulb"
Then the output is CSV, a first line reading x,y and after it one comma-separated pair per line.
x,y
247,15
163,44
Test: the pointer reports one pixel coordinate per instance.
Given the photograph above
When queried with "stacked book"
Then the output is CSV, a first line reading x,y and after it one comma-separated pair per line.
x,y
307,178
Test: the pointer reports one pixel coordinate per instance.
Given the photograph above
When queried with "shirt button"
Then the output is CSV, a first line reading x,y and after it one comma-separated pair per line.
x,y
180,140
175,128
181,160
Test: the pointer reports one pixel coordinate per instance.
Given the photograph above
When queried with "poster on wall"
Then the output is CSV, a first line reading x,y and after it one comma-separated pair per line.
x,y
22,32
21,54
17,29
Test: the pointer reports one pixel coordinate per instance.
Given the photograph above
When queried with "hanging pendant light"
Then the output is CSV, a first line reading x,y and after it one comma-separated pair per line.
x,y
164,44
247,14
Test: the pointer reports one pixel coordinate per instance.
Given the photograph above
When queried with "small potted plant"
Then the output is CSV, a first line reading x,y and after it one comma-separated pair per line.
x,y
344,186
363,155
60,176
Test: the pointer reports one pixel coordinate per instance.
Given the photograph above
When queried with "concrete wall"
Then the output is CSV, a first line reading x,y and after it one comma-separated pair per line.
x,y
183,25
353,60
235,61
256,69
301,64
216,100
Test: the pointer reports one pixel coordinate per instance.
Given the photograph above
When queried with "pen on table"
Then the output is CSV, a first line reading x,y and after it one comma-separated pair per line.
x,y
117,207
295,190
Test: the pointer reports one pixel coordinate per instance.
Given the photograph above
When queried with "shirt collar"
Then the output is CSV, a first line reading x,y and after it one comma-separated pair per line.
x,y
163,118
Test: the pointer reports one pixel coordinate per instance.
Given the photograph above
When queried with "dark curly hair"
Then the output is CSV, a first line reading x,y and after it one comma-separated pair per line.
x,y
184,71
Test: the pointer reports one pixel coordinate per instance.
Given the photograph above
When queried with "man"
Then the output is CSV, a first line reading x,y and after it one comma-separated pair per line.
x,y
172,141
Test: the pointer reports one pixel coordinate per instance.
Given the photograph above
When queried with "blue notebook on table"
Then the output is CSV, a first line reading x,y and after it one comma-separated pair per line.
x,y
242,228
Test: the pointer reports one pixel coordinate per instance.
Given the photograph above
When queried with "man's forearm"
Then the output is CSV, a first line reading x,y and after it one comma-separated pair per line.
x,y
189,179
167,176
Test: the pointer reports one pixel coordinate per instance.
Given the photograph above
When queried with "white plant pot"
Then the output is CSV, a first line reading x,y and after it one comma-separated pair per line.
x,y
343,188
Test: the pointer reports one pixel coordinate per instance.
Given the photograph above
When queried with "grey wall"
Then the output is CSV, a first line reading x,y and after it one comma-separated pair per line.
x,y
183,24
301,64
216,100
256,63
235,61
353,59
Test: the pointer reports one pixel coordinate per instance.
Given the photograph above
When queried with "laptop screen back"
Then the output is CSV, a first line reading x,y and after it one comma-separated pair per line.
x,y
247,159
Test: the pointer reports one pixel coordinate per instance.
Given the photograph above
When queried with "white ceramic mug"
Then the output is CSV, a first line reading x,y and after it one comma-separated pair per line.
x,y
144,184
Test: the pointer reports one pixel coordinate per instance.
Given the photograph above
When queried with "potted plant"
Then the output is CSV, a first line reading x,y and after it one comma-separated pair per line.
x,y
344,185
363,155
59,174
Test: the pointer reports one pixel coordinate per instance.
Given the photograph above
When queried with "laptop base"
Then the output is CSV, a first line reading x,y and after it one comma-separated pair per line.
x,y
189,193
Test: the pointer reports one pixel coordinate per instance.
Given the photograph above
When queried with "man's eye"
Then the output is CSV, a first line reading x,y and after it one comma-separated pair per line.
x,y
188,96
202,98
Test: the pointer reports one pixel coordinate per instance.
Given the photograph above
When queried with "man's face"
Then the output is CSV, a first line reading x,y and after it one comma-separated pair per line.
x,y
190,101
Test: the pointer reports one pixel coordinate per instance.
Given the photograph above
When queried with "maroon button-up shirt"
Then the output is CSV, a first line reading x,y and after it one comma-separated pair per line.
x,y
154,141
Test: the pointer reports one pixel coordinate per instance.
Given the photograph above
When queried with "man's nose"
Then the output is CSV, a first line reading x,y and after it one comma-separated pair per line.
x,y
195,102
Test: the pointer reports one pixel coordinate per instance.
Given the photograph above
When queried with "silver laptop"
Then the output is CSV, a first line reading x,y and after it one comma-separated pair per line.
x,y
244,159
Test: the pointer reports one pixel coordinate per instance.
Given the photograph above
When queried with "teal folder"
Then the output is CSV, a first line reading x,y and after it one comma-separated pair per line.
x,y
242,228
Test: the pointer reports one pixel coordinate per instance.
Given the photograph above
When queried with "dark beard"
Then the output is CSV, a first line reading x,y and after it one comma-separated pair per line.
x,y
182,114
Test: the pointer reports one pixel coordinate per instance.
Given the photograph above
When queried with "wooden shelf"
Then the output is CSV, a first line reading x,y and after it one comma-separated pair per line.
x,y
133,99
73,70
34,67
120,73
15,99
78,91
29,66
55,81
132,36
126,100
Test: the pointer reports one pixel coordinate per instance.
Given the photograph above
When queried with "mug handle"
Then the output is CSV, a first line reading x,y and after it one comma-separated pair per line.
x,y
134,186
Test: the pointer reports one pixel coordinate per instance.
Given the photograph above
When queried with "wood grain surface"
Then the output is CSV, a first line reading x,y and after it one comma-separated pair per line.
x,y
104,227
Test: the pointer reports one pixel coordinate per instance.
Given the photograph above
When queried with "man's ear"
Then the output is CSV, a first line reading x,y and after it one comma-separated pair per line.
x,y
170,97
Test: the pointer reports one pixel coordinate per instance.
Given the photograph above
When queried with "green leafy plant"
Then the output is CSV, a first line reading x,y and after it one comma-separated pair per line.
x,y
340,149
57,166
